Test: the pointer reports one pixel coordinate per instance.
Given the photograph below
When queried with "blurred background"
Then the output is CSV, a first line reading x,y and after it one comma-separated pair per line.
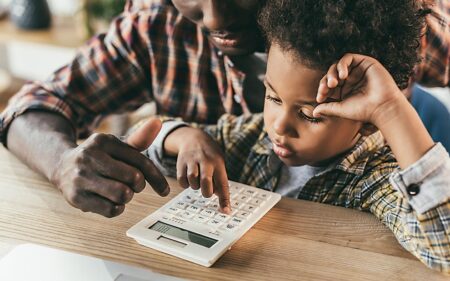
x,y
31,48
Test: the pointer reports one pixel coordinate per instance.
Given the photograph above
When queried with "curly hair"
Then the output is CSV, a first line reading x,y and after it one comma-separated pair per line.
x,y
320,32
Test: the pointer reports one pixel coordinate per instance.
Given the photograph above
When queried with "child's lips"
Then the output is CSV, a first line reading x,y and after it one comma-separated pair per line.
x,y
282,151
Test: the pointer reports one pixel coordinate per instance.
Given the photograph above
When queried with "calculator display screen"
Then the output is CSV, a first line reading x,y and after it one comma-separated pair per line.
x,y
184,234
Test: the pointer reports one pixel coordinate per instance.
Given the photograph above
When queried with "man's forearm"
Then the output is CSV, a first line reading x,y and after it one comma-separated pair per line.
x,y
39,139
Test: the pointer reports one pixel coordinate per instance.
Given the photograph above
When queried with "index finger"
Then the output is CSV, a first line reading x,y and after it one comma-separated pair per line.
x,y
125,153
222,190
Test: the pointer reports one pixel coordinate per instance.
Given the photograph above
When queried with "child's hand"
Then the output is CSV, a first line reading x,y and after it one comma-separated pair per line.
x,y
361,90
200,164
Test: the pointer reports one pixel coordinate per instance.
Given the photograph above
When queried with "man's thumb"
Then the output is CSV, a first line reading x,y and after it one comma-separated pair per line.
x,y
328,109
145,134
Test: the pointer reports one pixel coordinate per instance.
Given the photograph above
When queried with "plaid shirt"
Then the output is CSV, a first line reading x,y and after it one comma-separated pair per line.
x,y
360,180
434,70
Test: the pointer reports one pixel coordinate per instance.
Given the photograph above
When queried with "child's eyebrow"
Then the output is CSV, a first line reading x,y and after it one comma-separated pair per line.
x,y
312,103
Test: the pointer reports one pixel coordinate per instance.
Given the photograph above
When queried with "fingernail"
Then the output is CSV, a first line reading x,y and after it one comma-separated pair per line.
x,y
227,210
165,192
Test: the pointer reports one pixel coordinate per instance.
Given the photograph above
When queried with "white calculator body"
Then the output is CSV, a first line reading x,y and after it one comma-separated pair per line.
x,y
190,226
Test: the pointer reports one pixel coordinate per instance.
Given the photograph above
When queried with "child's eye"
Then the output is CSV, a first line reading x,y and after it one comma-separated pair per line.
x,y
306,114
273,99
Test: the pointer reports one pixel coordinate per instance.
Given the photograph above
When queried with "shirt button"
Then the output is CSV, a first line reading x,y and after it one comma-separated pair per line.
x,y
413,189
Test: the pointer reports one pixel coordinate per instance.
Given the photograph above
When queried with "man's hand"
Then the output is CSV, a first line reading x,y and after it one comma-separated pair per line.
x,y
200,164
102,174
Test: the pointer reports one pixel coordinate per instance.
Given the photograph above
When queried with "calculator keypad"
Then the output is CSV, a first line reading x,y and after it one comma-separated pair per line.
x,y
195,208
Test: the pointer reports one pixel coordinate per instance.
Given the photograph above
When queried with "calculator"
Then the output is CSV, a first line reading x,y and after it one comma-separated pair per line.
x,y
191,227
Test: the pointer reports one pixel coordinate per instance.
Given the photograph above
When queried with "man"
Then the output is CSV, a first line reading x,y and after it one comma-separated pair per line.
x,y
178,54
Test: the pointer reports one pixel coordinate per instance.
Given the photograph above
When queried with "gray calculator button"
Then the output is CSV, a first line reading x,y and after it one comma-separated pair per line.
x,y
187,215
214,223
202,202
200,219
230,227
173,210
208,212
181,205
188,198
236,221
222,217
193,209
250,192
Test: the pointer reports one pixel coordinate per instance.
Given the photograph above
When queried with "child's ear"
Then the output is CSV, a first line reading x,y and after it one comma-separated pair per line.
x,y
367,129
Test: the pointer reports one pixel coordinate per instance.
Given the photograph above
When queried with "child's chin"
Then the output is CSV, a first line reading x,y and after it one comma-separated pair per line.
x,y
294,162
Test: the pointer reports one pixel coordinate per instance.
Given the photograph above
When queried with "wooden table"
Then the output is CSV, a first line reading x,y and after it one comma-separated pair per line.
x,y
296,240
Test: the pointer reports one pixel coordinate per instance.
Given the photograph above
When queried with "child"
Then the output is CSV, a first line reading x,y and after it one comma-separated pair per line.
x,y
317,139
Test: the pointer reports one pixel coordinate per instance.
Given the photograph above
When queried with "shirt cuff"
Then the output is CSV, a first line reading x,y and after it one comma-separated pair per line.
x,y
431,175
167,165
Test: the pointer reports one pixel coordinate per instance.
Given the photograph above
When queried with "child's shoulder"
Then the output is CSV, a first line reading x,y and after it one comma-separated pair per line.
x,y
243,124
371,156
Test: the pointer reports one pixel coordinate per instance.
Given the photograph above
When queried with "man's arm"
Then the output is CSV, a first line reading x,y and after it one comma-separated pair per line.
x,y
101,175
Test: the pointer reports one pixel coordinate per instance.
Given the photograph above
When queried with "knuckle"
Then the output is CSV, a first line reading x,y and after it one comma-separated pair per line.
x,y
99,139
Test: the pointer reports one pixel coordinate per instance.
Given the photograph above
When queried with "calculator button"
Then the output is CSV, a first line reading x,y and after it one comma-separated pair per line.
x,y
194,209
214,223
236,204
202,202
236,221
230,227
242,198
243,214
200,219
234,196
188,198
187,215
195,193
249,192
256,201
222,217
208,212
181,205
235,189
173,210
214,205
263,196
249,208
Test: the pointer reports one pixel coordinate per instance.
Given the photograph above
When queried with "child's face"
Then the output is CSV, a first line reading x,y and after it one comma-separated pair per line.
x,y
297,137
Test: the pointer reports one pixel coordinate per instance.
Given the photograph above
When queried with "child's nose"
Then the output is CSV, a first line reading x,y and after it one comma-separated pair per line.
x,y
283,126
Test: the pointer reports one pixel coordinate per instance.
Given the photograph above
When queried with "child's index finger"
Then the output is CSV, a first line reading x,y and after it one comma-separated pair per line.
x,y
222,190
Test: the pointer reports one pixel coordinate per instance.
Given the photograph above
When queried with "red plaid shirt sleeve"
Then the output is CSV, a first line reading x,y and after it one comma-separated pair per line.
x,y
434,70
